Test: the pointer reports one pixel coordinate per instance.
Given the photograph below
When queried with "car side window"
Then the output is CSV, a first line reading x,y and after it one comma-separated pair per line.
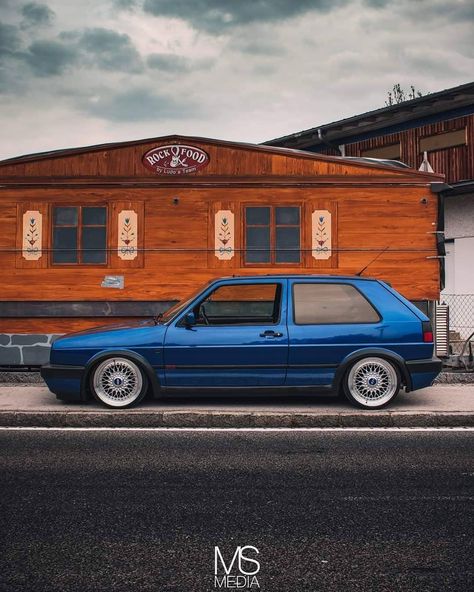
x,y
241,304
331,303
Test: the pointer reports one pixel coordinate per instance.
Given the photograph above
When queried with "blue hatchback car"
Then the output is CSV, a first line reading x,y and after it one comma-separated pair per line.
x,y
324,334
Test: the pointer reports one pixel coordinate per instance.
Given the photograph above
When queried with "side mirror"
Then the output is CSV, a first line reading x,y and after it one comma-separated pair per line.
x,y
189,319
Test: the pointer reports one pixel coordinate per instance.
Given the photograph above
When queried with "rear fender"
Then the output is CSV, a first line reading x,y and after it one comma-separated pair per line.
x,y
398,361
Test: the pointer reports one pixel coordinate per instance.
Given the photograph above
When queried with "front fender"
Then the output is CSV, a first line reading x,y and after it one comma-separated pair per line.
x,y
124,353
379,352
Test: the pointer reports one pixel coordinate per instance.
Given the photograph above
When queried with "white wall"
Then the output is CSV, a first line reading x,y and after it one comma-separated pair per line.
x,y
459,216
459,267
464,265
459,262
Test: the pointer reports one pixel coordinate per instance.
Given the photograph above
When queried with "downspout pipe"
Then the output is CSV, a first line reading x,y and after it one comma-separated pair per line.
x,y
439,189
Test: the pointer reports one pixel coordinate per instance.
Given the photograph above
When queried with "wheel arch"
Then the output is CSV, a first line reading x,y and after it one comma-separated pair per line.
x,y
142,362
386,354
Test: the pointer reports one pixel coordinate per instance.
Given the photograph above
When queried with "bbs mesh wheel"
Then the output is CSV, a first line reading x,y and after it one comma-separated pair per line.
x,y
372,383
118,382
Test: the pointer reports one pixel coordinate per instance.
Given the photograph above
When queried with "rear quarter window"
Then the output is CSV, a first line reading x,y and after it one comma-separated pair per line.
x,y
323,304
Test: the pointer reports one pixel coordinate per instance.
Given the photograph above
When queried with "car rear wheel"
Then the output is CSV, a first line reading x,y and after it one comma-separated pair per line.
x,y
118,383
372,383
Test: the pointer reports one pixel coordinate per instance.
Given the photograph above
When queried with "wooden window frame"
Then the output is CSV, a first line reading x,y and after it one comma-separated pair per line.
x,y
273,226
79,227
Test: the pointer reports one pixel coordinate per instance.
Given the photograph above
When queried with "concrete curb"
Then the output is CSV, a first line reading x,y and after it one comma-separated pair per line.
x,y
200,419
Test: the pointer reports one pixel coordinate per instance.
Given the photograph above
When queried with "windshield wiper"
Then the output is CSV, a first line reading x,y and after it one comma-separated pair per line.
x,y
157,318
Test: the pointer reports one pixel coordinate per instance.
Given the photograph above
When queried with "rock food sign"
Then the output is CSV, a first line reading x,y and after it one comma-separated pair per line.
x,y
175,159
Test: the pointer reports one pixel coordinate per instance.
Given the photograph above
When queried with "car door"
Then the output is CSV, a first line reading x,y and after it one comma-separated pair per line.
x,y
239,337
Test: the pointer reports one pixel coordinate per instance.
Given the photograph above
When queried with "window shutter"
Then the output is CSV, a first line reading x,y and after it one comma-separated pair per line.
x,y
126,243
224,235
32,235
322,221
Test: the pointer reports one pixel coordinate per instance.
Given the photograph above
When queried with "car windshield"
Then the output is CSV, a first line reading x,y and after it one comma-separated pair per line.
x,y
174,311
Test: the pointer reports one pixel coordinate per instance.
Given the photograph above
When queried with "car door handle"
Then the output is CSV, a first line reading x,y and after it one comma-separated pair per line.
x,y
271,334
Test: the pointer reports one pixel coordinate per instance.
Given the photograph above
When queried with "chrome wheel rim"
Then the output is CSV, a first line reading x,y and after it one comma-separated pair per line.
x,y
373,382
117,382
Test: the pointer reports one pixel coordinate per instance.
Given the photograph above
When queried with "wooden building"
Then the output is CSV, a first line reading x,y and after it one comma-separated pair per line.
x,y
440,124
106,233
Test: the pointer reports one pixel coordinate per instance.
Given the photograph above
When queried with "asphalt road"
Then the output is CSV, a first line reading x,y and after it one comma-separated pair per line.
x,y
142,511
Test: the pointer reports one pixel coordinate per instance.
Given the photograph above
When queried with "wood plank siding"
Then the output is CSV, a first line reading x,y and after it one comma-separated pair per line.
x,y
382,217
455,161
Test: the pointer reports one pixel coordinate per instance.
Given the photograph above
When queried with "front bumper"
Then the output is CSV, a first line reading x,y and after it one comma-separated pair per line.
x,y
64,381
423,372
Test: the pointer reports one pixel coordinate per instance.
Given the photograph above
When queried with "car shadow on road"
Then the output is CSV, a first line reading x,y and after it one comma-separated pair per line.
x,y
245,402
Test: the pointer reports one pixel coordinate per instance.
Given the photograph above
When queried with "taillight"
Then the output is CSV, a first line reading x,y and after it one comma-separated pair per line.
x,y
427,332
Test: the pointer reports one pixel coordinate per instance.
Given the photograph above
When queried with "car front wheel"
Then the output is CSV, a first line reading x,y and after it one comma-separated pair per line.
x,y
372,383
118,383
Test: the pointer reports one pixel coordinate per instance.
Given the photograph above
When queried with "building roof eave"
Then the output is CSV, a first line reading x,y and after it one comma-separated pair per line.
x,y
379,119
465,187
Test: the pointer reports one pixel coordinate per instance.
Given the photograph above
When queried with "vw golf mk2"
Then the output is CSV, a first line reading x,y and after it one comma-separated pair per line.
x,y
322,334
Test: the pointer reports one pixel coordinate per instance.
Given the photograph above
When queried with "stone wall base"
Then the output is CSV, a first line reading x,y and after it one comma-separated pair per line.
x,y
25,349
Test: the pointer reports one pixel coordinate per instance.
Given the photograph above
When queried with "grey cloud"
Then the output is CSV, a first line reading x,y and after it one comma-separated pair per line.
x,y
427,10
257,46
215,16
125,4
169,62
9,39
97,47
176,64
438,64
378,3
264,69
451,11
35,14
50,58
140,104
10,44
111,50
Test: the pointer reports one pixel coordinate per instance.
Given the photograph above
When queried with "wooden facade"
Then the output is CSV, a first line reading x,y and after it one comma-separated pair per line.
x,y
180,231
449,153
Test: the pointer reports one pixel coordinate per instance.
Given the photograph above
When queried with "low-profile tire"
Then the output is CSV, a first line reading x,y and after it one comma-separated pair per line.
x,y
372,383
118,383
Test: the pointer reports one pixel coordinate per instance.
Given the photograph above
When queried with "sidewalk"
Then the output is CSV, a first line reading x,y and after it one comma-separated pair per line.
x,y
441,405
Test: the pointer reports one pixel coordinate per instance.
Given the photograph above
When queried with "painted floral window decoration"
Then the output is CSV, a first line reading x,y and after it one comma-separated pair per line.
x,y
224,235
321,231
128,243
32,235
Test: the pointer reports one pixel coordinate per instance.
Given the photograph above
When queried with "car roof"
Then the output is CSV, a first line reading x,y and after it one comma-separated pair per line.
x,y
297,276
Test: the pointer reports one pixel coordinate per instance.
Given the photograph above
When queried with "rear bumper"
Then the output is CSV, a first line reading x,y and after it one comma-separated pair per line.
x,y
64,381
422,372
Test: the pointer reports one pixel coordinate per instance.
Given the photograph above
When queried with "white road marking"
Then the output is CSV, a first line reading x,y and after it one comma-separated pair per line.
x,y
400,498
171,429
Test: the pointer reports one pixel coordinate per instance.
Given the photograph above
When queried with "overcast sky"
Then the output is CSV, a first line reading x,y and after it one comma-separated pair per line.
x,y
79,72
